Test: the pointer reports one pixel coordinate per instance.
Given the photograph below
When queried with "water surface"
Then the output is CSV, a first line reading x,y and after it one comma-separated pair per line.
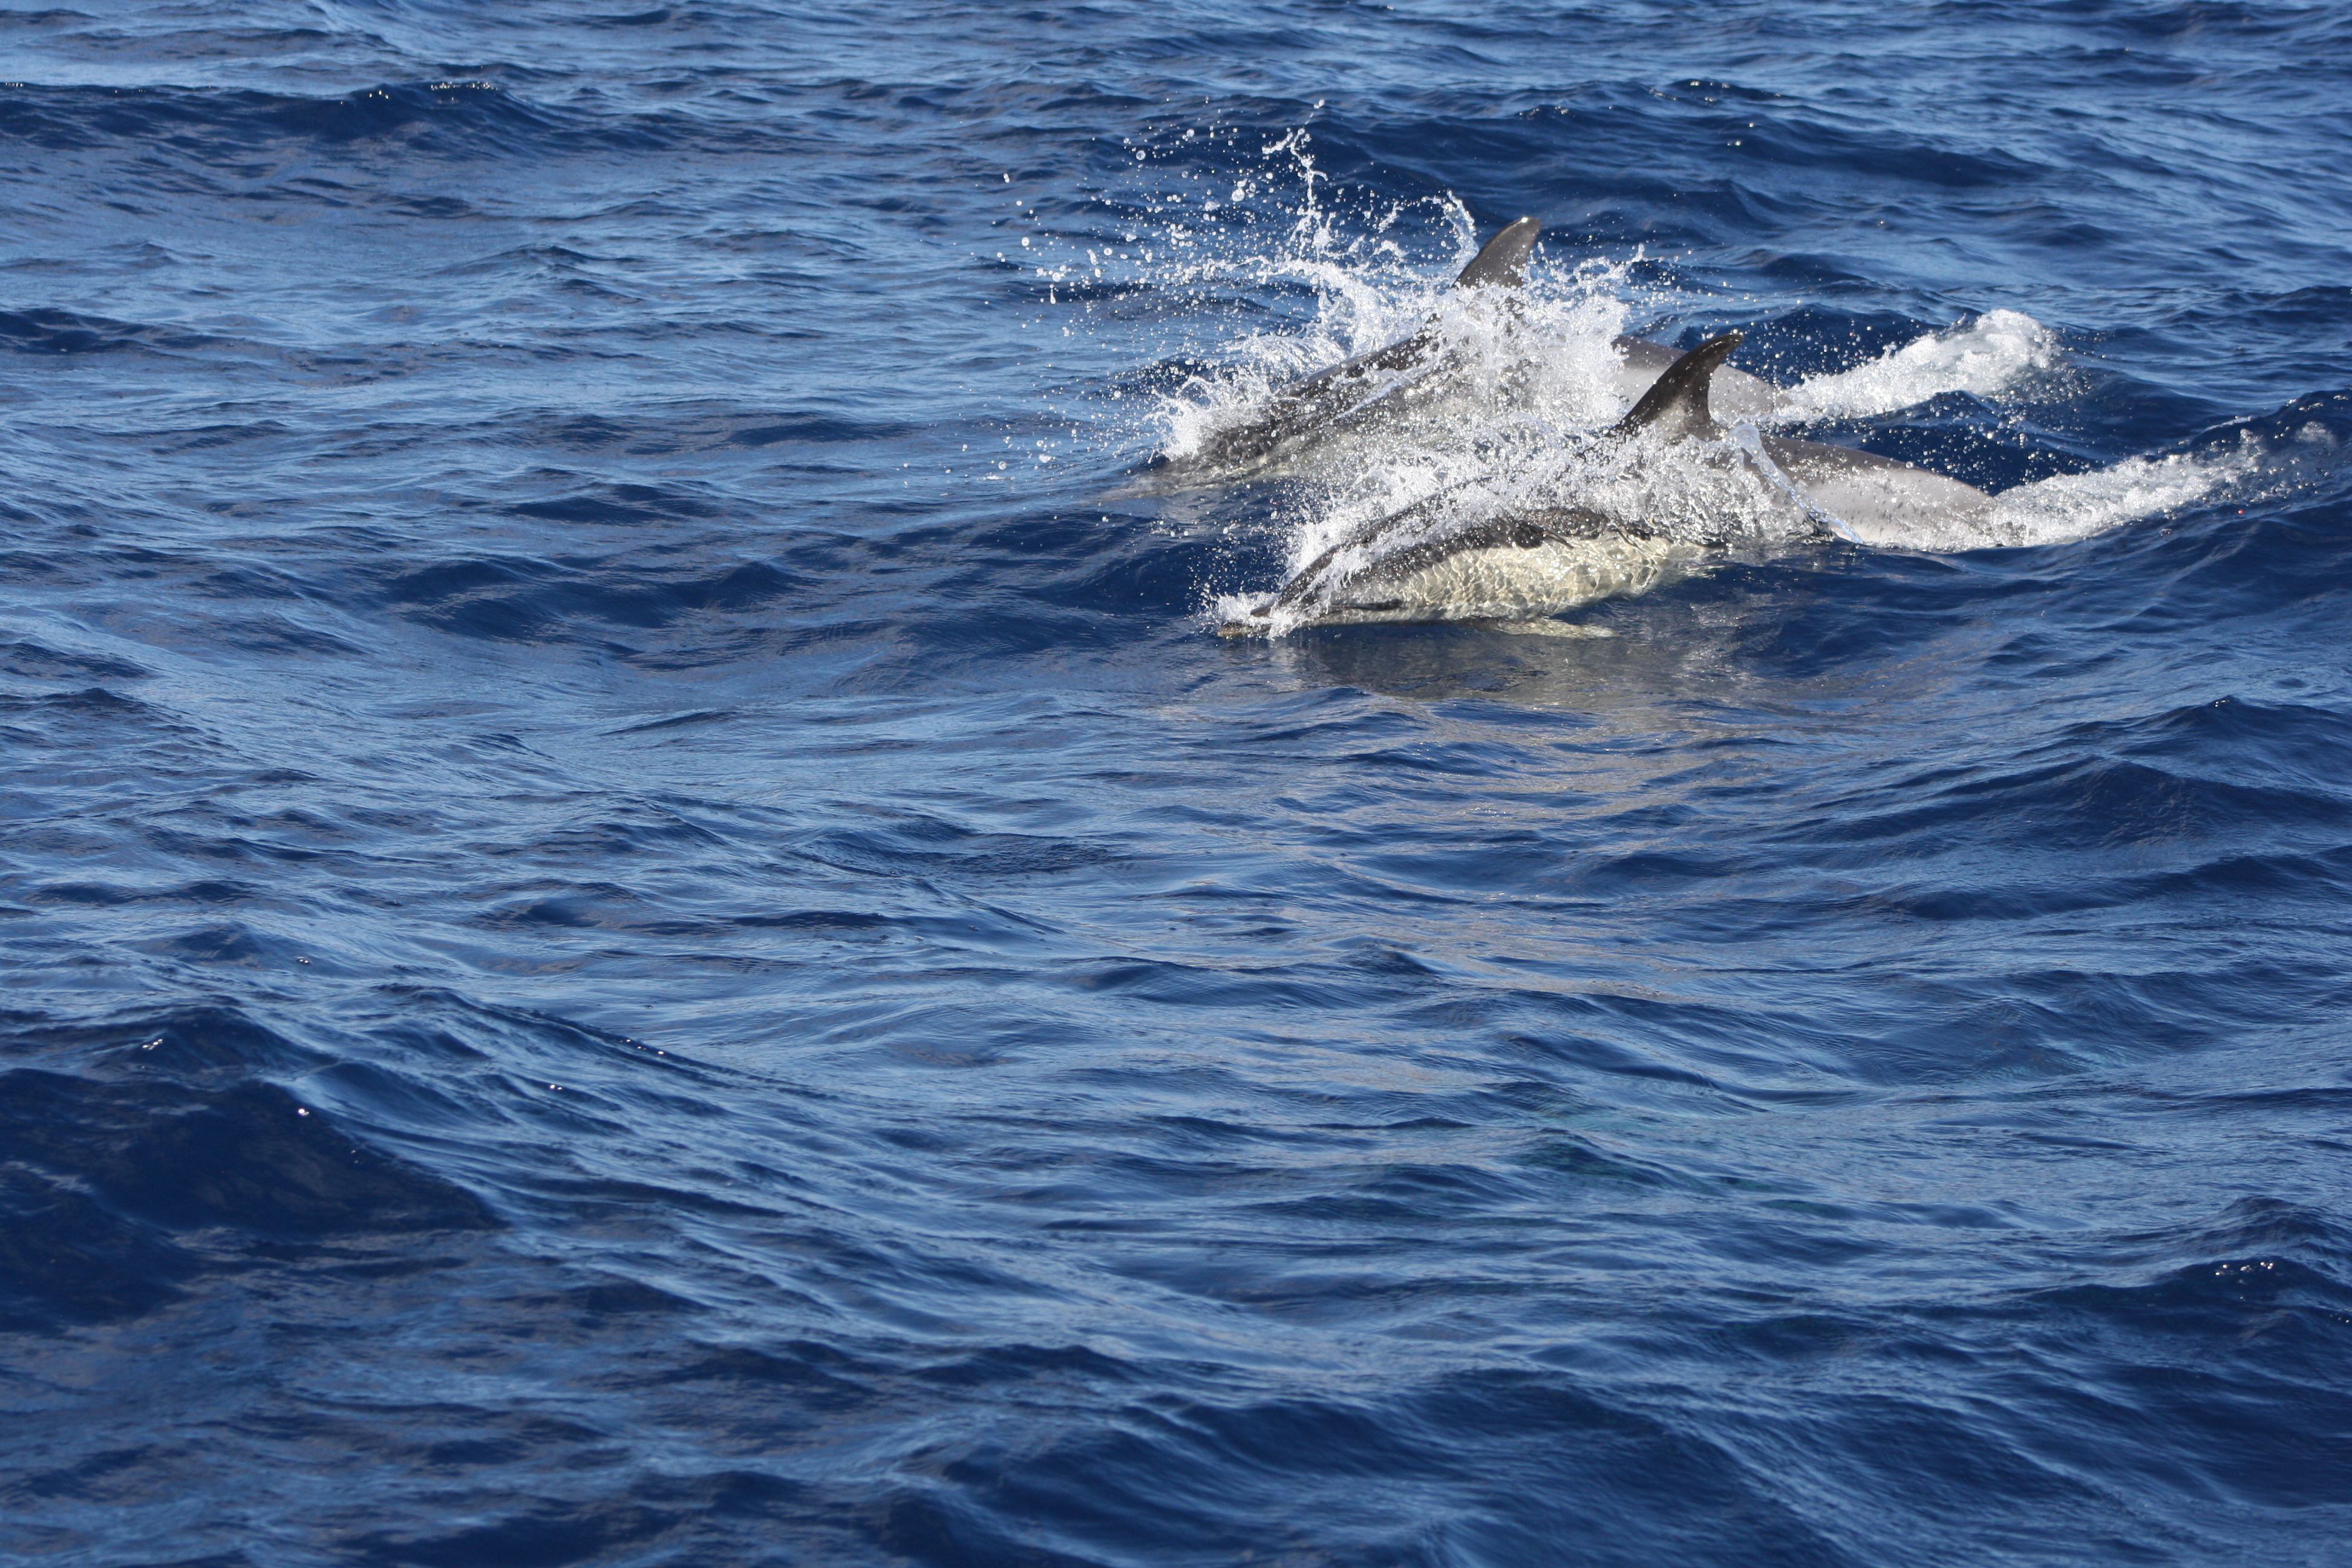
x,y
643,926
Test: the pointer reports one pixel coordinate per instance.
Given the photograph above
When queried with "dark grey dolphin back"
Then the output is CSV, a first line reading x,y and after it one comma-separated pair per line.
x,y
1502,260
1676,407
1731,395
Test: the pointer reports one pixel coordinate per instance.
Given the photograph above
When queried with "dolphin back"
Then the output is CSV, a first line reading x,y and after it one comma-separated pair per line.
x,y
1502,260
1300,407
1731,395
1676,407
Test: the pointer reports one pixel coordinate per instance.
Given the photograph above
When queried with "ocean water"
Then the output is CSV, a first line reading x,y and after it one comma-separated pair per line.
x,y
643,924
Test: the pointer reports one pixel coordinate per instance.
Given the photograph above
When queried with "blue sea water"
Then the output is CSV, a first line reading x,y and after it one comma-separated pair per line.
x,y
643,925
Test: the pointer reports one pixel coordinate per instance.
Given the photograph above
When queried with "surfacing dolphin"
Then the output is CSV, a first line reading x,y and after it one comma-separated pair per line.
x,y
1543,561
1361,389
1303,407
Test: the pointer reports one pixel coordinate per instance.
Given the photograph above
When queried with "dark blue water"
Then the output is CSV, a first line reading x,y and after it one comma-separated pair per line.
x,y
636,934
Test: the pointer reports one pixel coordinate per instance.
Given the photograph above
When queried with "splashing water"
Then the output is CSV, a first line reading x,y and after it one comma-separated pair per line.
x,y
1540,351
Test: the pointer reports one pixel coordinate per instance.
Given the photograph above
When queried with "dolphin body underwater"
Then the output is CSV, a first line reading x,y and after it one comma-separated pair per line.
x,y
1536,561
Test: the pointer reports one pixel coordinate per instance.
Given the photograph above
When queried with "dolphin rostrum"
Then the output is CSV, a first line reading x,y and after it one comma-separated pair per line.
x,y
1543,560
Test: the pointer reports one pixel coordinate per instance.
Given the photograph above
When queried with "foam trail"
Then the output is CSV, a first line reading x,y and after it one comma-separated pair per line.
x,y
1986,357
2068,507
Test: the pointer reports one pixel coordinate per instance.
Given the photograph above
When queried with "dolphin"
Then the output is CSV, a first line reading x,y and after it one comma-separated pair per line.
x,y
1358,389
1300,407
1543,561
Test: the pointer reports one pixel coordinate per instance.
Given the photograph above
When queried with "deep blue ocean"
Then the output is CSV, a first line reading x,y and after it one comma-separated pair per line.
x,y
643,924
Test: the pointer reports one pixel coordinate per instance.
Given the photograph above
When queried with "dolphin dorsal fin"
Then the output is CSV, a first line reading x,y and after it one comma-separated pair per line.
x,y
1500,259
1676,405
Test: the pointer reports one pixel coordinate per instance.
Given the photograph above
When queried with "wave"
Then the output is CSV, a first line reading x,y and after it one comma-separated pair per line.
x,y
451,120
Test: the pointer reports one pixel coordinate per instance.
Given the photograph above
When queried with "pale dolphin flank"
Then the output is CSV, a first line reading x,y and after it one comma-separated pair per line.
x,y
1542,561
1311,402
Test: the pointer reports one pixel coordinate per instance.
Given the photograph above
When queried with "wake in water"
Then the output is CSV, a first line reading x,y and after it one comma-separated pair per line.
x,y
1461,444
1986,357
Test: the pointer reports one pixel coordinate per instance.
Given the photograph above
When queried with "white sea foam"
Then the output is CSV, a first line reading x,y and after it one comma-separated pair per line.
x,y
2075,506
1986,357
